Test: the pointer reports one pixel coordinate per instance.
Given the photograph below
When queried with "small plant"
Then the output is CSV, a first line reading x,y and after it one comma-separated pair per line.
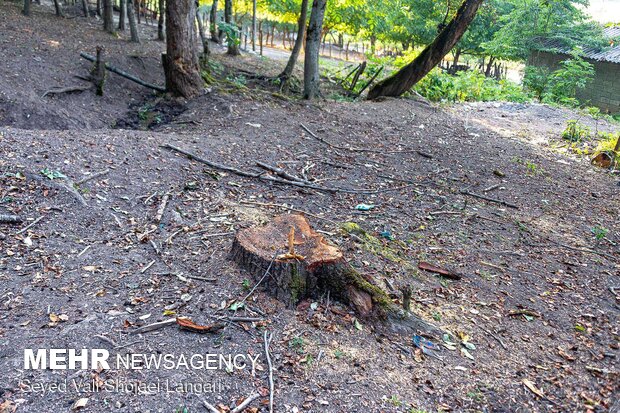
x,y
394,401
338,354
599,233
574,74
239,81
575,131
245,284
297,344
231,31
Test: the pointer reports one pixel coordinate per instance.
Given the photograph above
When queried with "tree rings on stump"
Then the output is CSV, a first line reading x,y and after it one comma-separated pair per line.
x,y
301,264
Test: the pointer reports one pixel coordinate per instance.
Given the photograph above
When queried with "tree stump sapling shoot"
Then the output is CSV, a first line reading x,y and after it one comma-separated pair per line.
x,y
296,263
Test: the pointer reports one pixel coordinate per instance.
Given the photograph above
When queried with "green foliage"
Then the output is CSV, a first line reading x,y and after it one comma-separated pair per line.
x,y
468,86
231,31
563,83
536,79
599,232
575,131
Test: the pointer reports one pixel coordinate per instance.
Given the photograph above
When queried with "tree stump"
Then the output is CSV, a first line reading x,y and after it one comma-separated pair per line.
x,y
311,266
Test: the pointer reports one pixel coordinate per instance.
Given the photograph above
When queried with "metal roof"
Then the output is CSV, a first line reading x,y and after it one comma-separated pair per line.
x,y
611,54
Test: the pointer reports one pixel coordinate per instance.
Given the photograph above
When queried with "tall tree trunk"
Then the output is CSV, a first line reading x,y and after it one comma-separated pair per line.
x,y
404,79
455,62
26,9
254,25
160,22
292,60
487,72
133,26
233,46
85,7
313,43
108,16
99,5
203,35
58,8
213,22
122,15
181,60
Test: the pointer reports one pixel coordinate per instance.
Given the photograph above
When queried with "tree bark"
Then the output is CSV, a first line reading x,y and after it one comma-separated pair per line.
x,y
85,7
58,8
26,9
404,79
313,43
161,35
108,16
233,47
254,25
181,60
292,60
487,72
213,22
455,62
122,15
133,26
203,35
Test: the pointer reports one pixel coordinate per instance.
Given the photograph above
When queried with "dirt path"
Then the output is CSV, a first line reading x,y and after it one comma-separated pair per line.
x,y
538,299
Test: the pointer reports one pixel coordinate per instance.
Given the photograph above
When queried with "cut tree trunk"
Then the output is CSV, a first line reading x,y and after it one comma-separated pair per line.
x,y
133,25
108,16
313,43
292,60
98,72
181,60
404,79
293,262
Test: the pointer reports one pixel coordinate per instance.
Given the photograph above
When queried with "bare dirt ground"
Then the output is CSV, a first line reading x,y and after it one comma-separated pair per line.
x,y
538,302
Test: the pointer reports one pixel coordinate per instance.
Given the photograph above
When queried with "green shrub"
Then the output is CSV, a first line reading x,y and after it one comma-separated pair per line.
x,y
535,79
575,131
468,86
563,83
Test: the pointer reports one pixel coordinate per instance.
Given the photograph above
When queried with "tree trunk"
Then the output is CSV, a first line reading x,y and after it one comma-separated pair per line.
x,y
181,60
233,43
161,36
487,72
203,35
455,63
404,79
98,72
58,8
122,15
133,26
213,22
292,60
108,16
85,7
313,43
254,25
26,9
98,11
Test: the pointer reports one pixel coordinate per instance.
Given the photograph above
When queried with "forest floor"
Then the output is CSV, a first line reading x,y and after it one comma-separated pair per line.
x,y
534,317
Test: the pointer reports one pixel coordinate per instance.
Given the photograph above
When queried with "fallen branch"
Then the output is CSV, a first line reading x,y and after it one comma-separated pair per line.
x,y
93,176
281,172
267,342
162,208
438,270
209,406
270,178
27,227
10,219
154,326
497,201
124,74
245,403
68,89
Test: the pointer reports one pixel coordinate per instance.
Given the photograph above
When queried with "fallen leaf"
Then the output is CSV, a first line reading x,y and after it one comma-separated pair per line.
x,y
79,403
438,270
188,324
533,388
